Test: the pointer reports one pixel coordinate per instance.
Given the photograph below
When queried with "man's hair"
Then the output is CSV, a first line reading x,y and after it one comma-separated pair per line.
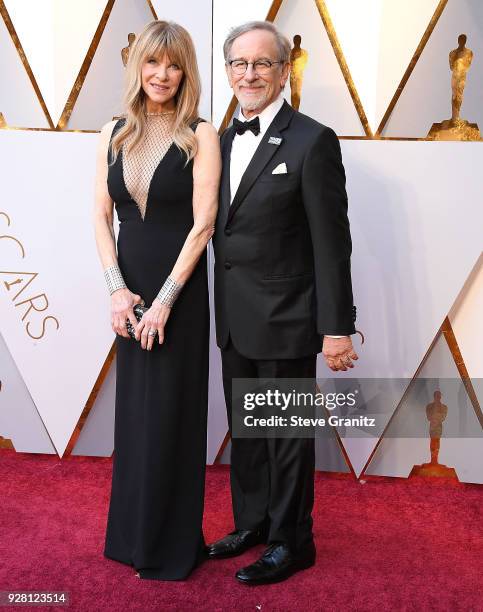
x,y
283,44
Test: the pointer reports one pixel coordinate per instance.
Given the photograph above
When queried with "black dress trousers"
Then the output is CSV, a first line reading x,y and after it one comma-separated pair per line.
x,y
272,479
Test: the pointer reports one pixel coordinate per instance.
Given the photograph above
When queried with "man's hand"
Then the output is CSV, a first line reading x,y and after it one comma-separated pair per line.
x,y
339,353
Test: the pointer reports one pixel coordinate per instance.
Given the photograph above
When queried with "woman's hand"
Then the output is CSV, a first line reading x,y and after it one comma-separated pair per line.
x,y
122,302
153,319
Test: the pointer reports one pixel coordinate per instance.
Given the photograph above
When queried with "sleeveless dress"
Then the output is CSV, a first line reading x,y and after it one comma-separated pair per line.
x,y
156,506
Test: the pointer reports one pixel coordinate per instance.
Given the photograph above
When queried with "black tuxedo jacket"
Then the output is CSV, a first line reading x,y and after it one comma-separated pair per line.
x,y
282,249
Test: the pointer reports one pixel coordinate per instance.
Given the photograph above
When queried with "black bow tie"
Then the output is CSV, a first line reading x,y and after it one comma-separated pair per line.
x,y
242,126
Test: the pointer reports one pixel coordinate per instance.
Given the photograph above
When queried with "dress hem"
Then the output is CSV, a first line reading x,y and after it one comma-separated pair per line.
x,y
149,573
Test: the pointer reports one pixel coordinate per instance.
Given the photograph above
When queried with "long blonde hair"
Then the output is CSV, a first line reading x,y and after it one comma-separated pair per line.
x,y
156,39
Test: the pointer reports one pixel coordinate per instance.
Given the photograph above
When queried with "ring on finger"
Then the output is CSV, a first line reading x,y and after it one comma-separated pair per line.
x,y
152,332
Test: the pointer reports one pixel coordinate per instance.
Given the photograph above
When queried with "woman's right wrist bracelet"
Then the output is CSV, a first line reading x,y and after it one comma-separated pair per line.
x,y
169,292
114,279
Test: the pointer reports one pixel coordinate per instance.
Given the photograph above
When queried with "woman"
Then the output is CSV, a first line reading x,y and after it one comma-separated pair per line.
x,y
160,165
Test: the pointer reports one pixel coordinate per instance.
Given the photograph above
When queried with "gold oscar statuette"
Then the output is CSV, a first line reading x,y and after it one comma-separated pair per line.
x,y
131,37
298,61
3,123
436,413
6,443
457,128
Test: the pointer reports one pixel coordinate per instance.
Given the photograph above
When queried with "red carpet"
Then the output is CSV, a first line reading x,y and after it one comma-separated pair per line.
x,y
389,544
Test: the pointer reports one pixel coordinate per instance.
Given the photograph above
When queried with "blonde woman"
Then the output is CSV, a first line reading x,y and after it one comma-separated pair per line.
x,y
160,166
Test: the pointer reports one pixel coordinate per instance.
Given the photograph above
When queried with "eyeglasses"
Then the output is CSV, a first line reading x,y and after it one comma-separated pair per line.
x,y
261,67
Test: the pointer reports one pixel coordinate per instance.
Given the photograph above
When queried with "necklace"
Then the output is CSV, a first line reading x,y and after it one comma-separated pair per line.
x,y
159,114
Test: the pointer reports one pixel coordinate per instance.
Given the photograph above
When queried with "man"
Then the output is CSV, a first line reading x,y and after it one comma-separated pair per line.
x,y
282,281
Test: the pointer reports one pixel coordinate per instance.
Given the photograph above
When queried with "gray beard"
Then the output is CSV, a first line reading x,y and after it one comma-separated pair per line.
x,y
255,105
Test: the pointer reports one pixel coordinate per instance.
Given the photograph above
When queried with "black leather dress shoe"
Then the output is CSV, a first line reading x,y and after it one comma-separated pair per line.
x,y
235,543
276,564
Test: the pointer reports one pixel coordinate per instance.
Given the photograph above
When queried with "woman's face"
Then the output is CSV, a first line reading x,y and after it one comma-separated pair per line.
x,y
161,79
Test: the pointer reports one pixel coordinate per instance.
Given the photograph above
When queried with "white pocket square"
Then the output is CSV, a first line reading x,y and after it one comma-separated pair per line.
x,y
280,169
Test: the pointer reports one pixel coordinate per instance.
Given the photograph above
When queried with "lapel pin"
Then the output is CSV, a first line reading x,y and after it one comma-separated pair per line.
x,y
274,140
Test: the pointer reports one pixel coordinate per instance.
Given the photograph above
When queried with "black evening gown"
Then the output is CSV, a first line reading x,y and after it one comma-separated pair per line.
x,y
156,505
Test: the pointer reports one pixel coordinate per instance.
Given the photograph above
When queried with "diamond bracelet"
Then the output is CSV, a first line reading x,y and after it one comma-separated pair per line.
x,y
114,279
169,292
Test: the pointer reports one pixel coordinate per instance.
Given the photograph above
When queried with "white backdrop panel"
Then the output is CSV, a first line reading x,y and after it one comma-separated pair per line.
x,y
97,435
402,27
18,102
57,45
426,98
358,25
325,95
19,420
378,38
397,455
49,197
416,236
467,322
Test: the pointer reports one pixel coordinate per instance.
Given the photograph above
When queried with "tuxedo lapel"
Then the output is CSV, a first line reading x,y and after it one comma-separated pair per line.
x,y
264,153
225,195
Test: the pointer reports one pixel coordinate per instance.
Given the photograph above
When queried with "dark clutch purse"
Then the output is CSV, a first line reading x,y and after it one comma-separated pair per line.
x,y
138,310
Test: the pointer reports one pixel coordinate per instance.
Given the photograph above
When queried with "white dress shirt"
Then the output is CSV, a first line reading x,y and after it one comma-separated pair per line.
x,y
244,146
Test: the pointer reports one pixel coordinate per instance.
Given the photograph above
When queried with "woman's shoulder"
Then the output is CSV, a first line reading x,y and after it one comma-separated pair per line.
x,y
208,144
108,129
107,132
105,135
194,124
203,124
203,128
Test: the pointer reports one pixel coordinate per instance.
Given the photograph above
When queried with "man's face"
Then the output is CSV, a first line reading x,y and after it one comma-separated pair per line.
x,y
253,91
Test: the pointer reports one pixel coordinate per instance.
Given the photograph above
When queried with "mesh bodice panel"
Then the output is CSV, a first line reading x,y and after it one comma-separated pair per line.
x,y
139,165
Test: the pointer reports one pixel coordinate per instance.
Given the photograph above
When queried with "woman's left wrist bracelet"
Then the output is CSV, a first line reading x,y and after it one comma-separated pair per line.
x,y
169,292
114,279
